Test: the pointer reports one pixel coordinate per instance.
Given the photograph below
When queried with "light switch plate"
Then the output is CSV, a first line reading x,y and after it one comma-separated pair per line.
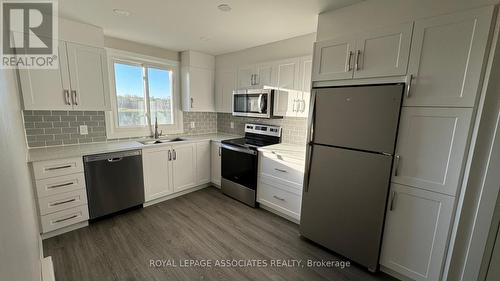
x,y
84,130
192,125
232,125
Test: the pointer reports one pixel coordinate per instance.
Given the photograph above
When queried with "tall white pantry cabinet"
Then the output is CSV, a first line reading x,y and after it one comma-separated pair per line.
x,y
442,59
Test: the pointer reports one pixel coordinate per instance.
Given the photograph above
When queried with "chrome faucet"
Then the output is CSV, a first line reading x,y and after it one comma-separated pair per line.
x,y
156,135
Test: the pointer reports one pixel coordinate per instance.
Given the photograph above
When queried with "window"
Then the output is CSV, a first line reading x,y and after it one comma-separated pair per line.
x,y
143,90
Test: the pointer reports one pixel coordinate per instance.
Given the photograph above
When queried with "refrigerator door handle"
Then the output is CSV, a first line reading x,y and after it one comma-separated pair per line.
x,y
393,196
396,165
310,140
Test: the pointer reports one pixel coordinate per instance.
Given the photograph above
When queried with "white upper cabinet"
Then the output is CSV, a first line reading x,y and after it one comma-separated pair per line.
x,y
247,76
88,75
294,86
183,166
225,84
203,172
265,75
197,82
383,52
431,148
45,89
416,232
333,59
80,82
157,168
377,53
446,60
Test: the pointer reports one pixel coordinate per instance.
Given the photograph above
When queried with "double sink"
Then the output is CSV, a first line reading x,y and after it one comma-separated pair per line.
x,y
160,141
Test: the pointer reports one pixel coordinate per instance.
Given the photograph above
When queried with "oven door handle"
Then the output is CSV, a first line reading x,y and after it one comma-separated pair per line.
x,y
239,149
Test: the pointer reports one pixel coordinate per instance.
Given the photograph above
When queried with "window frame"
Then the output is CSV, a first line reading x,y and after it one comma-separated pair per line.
x,y
112,129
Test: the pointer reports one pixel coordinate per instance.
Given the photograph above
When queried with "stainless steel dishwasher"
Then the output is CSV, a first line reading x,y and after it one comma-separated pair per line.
x,y
114,182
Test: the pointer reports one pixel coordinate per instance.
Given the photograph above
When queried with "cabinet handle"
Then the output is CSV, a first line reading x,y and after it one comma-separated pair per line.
x,y
66,97
175,154
294,104
60,185
74,97
58,168
279,198
253,80
65,219
408,85
62,202
391,205
358,53
396,166
303,105
220,150
192,101
349,57
169,155
281,170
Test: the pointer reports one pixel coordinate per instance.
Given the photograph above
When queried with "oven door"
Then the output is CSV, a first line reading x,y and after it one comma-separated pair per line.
x,y
252,104
239,165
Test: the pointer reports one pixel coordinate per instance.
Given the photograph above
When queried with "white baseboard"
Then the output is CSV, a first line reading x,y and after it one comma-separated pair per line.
x,y
64,229
48,269
177,194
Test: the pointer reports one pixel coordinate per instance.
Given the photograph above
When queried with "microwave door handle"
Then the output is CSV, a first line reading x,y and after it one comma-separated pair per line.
x,y
259,103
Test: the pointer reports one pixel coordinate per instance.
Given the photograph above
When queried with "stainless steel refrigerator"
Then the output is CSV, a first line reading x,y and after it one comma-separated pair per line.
x,y
352,138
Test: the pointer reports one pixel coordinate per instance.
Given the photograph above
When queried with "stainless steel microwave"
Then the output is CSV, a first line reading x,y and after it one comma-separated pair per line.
x,y
253,103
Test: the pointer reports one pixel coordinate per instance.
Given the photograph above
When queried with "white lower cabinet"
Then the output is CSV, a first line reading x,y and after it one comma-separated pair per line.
x,y
157,171
173,168
416,232
61,193
216,154
203,172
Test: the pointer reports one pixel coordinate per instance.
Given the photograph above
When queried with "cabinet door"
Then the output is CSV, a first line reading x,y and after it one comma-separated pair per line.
x,y
431,148
265,75
416,232
47,89
216,163
201,89
383,52
225,84
446,58
246,76
183,166
333,59
156,169
88,74
203,172
305,86
287,81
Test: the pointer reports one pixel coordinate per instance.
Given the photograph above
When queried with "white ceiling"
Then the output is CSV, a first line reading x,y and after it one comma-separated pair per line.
x,y
198,24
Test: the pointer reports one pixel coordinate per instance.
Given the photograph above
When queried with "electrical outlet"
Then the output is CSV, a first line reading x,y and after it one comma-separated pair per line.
x,y
193,125
232,125
84,130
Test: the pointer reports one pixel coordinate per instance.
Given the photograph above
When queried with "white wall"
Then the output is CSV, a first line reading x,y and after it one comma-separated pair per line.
x,y
19,235
372,14
134,47
293,47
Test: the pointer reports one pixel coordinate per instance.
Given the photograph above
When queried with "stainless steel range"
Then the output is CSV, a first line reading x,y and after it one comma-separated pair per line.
x,y
240,161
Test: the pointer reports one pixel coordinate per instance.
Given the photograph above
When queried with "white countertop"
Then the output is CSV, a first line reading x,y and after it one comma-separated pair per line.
x,y
78,150
285,149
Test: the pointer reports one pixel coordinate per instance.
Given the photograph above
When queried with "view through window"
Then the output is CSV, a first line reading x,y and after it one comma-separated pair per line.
x,y
142,91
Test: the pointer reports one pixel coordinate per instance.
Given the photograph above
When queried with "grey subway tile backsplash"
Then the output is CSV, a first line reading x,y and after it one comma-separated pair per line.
x,y
50,128
293,129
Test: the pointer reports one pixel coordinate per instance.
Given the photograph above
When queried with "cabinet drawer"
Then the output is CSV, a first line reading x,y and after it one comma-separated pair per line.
x,y
64,218
52,186
286,171
279,199
59,167
62,201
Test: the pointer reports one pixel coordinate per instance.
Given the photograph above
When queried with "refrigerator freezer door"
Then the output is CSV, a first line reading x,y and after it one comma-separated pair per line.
x,y
344,204
360,117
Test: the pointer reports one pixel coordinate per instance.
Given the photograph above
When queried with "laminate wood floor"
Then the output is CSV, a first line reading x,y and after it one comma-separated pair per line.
x,y
203,225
